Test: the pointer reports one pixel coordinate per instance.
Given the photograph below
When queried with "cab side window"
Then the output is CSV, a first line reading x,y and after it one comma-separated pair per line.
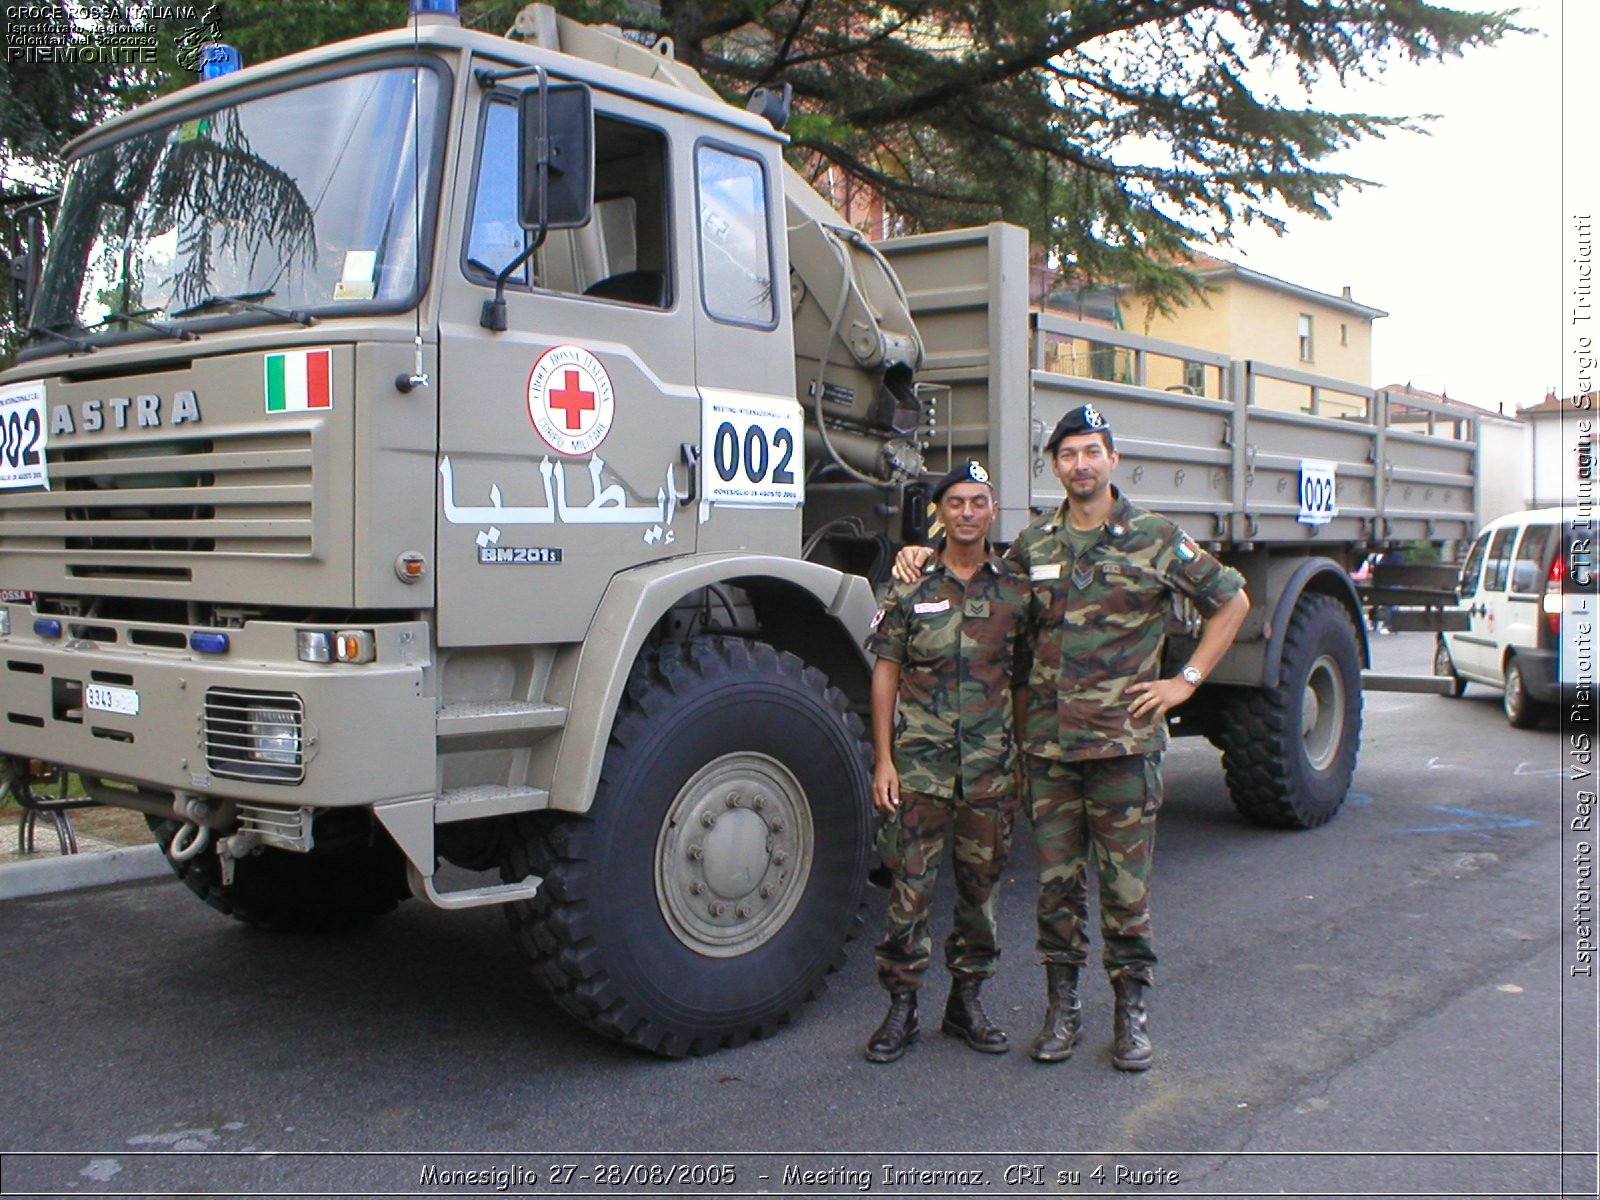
x,y
622,255
735,237
1528,569
1497,565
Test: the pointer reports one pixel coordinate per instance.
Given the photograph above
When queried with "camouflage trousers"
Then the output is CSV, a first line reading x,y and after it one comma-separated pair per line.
x,y
911,845
1108,805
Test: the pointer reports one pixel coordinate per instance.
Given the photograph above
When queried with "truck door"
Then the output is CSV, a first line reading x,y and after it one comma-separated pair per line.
x,y
752,435
560,437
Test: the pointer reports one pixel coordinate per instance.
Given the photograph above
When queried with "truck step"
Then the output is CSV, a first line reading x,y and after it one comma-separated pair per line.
x,y
478,897
486,800
469,718
1372,681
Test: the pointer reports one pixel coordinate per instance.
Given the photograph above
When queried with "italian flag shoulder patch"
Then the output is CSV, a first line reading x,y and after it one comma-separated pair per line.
x,y
299,380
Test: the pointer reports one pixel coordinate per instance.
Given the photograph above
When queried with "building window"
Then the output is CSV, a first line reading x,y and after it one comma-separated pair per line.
x,y
1344,334
1194,378
1305,337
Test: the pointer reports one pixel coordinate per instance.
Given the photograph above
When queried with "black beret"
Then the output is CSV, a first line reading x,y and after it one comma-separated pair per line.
x,y
1086,418
970,471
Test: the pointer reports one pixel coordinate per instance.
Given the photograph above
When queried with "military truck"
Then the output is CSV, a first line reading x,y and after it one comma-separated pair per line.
x,y
415,483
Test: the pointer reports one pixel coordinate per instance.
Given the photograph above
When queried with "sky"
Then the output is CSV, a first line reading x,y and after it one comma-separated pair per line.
x,y
1464,245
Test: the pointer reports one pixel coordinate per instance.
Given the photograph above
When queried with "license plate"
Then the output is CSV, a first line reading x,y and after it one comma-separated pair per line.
x,y
111,699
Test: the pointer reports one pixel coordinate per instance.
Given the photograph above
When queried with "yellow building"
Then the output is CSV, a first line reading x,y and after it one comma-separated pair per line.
x,y
1243,314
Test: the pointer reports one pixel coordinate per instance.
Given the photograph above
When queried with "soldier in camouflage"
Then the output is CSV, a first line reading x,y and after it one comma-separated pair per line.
x,y
946,649
1105,574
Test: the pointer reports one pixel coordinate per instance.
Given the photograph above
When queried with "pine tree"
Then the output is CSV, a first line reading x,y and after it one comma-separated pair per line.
x,y
1121,133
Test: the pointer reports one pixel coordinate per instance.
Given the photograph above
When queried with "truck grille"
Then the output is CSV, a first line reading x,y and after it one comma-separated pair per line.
x,y
258,736
130,509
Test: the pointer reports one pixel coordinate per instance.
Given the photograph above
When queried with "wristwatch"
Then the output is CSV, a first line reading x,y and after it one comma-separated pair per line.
x,y
1193,676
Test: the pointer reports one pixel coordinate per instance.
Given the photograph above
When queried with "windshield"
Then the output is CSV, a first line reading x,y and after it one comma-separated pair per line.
x,y
303,200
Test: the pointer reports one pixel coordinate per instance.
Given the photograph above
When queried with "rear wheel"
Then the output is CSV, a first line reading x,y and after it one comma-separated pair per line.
x,y
1522,710
1445,668
354,873
719,873
1289,752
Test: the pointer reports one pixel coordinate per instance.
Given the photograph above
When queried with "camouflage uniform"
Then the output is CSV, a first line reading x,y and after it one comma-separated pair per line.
x,y
955,641
1094,771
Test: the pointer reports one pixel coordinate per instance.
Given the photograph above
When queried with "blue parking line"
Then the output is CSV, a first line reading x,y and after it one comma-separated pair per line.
x,y
1481,822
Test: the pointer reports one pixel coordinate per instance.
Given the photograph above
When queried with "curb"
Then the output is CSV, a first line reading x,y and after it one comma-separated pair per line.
x,y
68,872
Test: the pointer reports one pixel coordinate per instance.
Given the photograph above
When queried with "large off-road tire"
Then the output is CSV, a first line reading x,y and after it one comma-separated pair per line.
x,y
719,874
354,873
1289,752
1445,668
1522,710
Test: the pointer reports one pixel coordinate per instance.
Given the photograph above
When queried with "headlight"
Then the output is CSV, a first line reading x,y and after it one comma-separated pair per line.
x,y
255,735
274,736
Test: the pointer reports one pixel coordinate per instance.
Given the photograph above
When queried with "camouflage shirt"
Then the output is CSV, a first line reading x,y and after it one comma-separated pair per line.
x,y
1098,622
956,642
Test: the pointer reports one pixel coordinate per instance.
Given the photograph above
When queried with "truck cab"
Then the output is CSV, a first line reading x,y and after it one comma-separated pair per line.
x,y
394,421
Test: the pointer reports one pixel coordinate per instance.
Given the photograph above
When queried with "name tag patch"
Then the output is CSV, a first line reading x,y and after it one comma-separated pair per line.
x,y
1049,571
932,606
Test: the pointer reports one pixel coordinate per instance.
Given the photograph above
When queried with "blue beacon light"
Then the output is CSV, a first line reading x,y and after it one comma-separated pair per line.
x,y
443,8
218,59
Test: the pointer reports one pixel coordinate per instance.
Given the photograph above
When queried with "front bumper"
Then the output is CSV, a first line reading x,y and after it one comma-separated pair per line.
x,y
362,733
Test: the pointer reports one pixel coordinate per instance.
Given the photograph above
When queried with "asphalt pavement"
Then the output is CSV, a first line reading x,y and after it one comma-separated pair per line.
x,y
1381,1007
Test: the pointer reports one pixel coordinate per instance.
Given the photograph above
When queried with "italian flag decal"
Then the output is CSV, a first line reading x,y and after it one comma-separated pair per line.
x,y
299,380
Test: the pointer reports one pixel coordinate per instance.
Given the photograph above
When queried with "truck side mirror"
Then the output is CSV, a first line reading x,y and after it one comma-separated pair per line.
x,y
555,146
26,255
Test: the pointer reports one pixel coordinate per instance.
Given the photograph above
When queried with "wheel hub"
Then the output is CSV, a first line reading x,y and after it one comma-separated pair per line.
x,y
734,854
1322,712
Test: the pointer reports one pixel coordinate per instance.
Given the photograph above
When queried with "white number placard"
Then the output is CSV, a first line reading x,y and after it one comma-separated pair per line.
x,y
24,430
1318,505
752,449
111,699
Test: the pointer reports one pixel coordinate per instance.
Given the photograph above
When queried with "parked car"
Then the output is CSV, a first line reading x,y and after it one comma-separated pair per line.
x,y
1528,588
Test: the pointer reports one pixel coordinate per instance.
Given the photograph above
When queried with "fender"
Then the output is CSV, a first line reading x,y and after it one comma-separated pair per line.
x,y
633,603
1288,578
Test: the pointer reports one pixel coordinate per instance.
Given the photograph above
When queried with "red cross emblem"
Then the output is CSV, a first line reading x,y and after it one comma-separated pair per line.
x,y
573,401
570,400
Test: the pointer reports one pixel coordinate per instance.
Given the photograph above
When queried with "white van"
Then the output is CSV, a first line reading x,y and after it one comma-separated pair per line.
x,y
1528,585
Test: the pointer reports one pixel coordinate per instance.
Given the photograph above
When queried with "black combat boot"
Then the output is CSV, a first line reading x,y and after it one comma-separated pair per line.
x,y
899,1029
1130,1037
1062,1015
964,1018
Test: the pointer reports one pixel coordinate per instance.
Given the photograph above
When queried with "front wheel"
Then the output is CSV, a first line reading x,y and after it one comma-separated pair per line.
x,y
720,871
1289,752
1445,668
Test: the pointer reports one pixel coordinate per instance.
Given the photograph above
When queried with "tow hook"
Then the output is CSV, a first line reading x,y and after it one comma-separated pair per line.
x,y
194,834
188,841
